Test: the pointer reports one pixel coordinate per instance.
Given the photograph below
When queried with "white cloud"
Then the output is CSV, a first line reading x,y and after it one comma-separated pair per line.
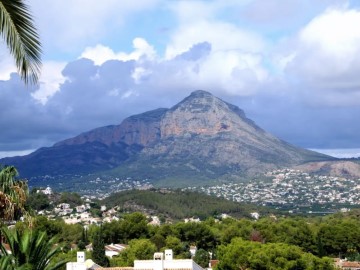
x,y
15,153
199,21
330,43
334,33
324,58
50,80
234,64
222,36
233,72
100,53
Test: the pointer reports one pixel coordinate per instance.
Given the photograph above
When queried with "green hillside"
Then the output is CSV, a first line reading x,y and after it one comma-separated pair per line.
x,y
176,204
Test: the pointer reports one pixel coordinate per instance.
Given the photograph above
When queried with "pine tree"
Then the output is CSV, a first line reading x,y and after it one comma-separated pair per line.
x,y
84,236
98,253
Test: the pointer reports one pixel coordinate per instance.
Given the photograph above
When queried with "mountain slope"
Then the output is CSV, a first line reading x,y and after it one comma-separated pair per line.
x,y
201,138
206,138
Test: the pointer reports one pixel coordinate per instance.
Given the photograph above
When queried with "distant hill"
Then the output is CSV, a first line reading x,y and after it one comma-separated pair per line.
x,y
348,168
198,140
177,205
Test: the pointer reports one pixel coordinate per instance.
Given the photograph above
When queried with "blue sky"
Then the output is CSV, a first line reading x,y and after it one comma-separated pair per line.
x,y
292,66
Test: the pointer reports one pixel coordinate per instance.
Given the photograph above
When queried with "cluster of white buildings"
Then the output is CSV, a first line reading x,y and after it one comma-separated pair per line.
x,y
290,187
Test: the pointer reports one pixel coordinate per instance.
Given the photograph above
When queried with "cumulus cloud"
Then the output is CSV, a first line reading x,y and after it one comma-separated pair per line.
x,y
50,80
325,57
100,53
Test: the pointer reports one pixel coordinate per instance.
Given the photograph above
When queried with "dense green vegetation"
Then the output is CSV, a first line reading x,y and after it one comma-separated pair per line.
x,y
268,243
176,204
241,254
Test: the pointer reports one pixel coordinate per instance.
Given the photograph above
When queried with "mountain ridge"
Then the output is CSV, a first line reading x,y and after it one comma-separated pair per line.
x,y
201,137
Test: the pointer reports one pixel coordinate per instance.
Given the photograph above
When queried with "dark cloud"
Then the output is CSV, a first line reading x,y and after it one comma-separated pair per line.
x,y
292,119
24,122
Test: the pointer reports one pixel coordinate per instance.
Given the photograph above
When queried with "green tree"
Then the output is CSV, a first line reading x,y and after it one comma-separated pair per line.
x,y
139,249
174,243
51,227
18,31
158,240
134,226
241,254
29,250
98,253
202,258
13,193
339,236
38,201
196,233
71,198
295,232
112,232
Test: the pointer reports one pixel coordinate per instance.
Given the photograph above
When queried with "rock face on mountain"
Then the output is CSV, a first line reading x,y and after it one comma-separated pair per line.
x,y
141,129
202,137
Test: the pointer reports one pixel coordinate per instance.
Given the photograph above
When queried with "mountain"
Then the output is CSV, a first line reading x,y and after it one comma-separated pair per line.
x,y
200,139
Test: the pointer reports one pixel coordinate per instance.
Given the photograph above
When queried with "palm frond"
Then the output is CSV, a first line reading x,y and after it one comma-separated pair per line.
x,y
18,30
13,193
31,249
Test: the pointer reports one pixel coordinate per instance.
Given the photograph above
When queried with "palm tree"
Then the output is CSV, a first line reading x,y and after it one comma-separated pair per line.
x,y
13,193
30,250
18,30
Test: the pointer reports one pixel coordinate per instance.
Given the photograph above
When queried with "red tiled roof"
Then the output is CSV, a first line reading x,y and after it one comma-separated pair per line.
x,y
213,263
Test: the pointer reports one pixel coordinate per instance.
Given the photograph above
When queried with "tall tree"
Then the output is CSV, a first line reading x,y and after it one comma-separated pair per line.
x,y
98,253
29,250
18,31
13,193
202,258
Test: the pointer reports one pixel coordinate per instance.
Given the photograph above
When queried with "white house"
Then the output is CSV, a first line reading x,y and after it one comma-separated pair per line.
x,y
63,206
114,249
80,208
81,263
165,260
192,219
46,191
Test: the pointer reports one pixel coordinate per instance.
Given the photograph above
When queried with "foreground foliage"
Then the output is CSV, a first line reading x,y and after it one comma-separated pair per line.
x,y
18,30
13,194
29,250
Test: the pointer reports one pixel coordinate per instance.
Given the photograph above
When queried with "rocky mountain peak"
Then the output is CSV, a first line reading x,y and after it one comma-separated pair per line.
x,y
197,101
201,113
